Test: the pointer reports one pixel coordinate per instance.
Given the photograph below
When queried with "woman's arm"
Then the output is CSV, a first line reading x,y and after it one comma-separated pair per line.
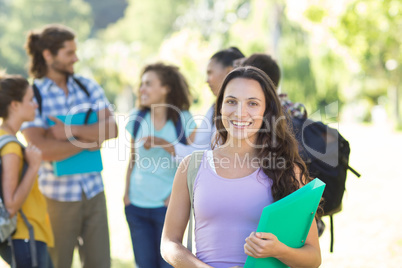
x,y
130,167
104,129
263,245
152,141
176,220
15,193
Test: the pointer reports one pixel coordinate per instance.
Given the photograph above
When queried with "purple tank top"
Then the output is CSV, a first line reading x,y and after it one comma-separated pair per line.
x,y
226,212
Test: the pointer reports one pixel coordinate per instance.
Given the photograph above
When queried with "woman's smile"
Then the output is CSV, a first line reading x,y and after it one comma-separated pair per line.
x,y
240,124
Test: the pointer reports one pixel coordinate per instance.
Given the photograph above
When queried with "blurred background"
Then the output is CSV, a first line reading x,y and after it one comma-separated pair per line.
x,y
345,52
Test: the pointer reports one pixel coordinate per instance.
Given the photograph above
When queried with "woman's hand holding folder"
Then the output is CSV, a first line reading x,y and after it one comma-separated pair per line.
x,y
262,245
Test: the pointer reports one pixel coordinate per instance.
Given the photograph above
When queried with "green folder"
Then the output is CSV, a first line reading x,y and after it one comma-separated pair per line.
x,y
290,220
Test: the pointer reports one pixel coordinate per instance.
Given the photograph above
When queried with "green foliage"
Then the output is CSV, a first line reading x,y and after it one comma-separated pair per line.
x,y
187,33
315,13
330,75
19,16
146,22
113,65
298,79
184,33
188,50
244,33
214,19
371,30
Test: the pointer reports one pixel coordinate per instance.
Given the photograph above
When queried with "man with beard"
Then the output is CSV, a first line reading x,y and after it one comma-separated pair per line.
x,y
76,203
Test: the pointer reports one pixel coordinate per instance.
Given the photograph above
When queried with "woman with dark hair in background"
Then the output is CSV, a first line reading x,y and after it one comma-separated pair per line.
x,y
17,106
255,162
220,64
162,117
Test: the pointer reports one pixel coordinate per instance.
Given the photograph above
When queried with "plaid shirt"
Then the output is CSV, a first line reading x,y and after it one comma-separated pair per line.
x,y
293,109
55,102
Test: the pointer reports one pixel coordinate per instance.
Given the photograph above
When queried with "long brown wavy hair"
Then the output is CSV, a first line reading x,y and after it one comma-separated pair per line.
x,y
275,138
52,37
179,94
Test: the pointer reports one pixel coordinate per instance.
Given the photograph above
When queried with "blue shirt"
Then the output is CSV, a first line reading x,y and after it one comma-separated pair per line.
x,y
55,102
154,169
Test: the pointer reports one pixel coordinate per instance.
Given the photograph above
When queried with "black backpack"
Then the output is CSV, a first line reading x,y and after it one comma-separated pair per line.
x,y
326,154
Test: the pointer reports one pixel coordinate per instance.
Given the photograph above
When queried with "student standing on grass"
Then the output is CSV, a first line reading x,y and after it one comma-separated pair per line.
x,y
163,119
76,203
17,105
254,164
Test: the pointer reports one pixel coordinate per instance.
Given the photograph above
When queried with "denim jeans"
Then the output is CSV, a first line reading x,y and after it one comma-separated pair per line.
x,y
23,254
146,230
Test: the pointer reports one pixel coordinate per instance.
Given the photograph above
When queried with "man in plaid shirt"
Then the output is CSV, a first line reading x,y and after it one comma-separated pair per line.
x,y
76,203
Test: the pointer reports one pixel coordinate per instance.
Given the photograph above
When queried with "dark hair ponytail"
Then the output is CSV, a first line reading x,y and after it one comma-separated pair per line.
x,y
52,37
37,66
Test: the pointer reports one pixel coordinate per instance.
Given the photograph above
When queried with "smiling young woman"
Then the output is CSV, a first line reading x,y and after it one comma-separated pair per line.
x,y
243,110
228,196
164,101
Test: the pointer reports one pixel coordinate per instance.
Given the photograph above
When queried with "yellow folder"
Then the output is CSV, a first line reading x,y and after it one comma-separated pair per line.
x,y
289,219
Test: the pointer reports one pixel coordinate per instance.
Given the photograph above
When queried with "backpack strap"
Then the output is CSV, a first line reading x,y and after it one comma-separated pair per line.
x,y
331,245
81,85
192,171
13,261
32,243
180,131
38,97
83,88
140,116
354,171
5,139
87,115
178,126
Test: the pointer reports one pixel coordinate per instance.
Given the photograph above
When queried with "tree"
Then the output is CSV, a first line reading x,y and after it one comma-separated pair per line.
x,y
298,78
146,23
371,30
20,16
